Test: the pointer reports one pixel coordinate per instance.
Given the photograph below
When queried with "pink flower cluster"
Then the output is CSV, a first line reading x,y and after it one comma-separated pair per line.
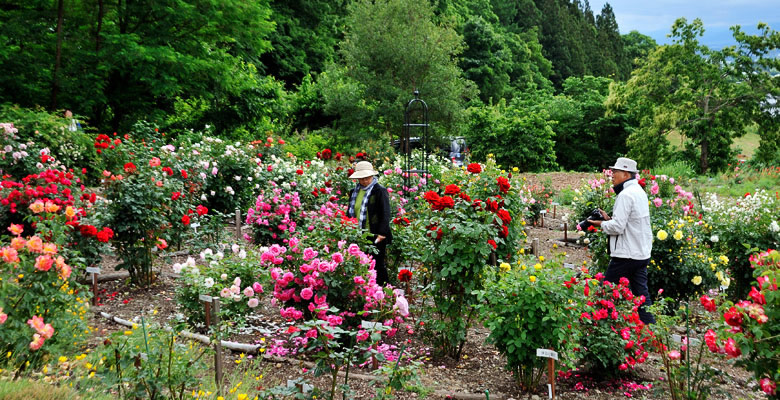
x,y
43,331
275,214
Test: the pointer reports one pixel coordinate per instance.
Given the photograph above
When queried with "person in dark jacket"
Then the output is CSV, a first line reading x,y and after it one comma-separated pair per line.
x,y
370,204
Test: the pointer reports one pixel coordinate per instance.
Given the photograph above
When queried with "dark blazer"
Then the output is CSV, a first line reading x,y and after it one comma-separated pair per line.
x,y
378,212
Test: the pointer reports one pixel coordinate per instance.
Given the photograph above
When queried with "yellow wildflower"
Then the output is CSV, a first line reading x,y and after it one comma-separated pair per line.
x,y
532,278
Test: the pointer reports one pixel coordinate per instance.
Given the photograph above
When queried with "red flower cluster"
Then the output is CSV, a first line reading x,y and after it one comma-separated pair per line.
x,y
401,221
474,168
452,189
103,236
103,142
503,184
201,210
324,154
48,186
404,275
130,167
438,203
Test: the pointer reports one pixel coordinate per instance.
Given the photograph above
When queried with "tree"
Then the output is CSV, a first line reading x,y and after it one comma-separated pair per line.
x,y
585,138
637,46
391,48
615,64
707,96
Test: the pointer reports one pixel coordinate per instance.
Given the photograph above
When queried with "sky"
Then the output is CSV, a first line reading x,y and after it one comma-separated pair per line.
x,y
654,18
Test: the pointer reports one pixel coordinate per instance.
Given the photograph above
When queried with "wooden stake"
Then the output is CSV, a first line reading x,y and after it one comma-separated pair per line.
x,y
551,376
238,224
566,232
535,247
217,349
94,271
207,306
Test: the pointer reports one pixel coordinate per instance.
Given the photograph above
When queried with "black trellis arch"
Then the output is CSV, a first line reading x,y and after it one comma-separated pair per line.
x,y
415,121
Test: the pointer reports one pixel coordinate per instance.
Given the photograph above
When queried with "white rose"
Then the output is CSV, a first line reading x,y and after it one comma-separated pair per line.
x,y
209,282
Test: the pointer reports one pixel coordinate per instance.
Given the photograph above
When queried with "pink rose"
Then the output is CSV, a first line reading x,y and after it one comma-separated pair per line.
x,y
307,293
658,202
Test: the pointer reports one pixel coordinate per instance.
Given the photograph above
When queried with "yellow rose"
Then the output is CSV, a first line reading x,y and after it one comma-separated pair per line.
x,y
532,278
696,280
723,259
505,267
677,235
662,235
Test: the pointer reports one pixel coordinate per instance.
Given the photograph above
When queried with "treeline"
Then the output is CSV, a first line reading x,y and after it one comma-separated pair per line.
x,y
535,82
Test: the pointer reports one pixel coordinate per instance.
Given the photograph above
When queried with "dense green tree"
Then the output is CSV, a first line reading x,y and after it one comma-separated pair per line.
x,y
391,48
516,134
707,96
637,46
120,61
304,39
614,62
585,138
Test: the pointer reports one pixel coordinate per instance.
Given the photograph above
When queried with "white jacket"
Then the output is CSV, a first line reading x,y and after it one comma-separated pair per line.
x,y
629,230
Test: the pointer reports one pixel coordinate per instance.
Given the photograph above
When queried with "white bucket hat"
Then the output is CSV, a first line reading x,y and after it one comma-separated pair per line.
x,y
363,169
625,164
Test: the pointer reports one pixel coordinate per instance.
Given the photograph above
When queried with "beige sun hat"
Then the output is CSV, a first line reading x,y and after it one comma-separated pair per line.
x,y
363,169
625,164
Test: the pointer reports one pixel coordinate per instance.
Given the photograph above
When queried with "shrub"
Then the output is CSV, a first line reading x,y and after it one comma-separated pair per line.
x,y
526,308
274,216
612,337
42,307
751,327
233,277
738,225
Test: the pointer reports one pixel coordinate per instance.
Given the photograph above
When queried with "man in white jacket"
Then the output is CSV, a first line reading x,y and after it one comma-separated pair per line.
x,y
630,236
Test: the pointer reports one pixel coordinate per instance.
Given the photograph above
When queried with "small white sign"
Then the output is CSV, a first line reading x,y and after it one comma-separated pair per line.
x,y
306,387
370,325
93,270
555,204
543,212
205,297
567,265
547,353
549,391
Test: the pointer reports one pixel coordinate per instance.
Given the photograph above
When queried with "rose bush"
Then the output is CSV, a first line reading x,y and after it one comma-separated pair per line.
x,y
529,305
234,278
42,307
751,327
740,224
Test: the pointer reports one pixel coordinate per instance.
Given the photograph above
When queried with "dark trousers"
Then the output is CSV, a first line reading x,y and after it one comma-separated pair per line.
x,y
636,272
380,267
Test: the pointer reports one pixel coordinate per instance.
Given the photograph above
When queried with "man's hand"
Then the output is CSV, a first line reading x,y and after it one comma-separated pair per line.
x,y
379,238
603,215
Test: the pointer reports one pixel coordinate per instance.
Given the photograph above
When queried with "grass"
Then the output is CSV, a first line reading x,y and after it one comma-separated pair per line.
x,y
747,143
25,389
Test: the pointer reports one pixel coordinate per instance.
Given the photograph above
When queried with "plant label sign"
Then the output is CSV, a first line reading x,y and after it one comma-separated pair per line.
x,y
205,297
547,354
93,270
370,325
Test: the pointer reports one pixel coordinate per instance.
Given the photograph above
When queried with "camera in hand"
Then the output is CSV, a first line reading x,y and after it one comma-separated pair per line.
x,y
594,215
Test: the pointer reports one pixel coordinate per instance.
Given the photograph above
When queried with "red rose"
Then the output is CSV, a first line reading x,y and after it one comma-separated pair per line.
x,y
506,218
201,210
439,234
464,196
444,202
732,349
184,174
642,182
299,171
492,243
504,232
130,168
452,189
708,303
474,168
326,154
350,172
175,195
88,230
733,317
503,184
404,275
185,219
757,296
105,235
431,197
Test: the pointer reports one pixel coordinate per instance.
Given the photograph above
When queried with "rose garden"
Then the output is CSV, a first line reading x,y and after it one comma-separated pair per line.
x,y
299,294
178,185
